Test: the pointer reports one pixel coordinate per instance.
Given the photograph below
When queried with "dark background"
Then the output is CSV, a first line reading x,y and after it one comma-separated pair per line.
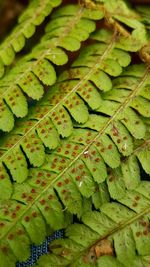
x,y
11,9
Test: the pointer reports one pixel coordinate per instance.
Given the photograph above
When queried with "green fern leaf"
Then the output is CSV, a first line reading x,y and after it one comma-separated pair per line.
x,y
51,118
75,175
42,68
119,11
128,43
78,149
34,70
72,164
119,136
31,17
141,103
103,236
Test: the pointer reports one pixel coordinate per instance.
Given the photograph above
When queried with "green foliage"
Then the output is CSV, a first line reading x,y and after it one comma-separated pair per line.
x,y
118,11
52,117
83,150
117,235
33,16
76,169
35,70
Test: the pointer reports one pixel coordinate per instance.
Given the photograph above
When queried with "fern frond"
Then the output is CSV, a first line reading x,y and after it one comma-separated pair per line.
x,y
123,87
138,39
66,30
72,172
33,16
118,13
118,235
126,177
52,117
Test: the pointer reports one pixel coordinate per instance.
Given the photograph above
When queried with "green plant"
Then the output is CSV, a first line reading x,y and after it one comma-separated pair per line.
x,y
79,158
35,70
27,22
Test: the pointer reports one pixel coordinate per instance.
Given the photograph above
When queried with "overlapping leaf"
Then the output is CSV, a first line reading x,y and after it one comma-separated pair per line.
x,y
107,233
27,22
66,32
116,236
80,145
70,173
76,90
35,70
118,11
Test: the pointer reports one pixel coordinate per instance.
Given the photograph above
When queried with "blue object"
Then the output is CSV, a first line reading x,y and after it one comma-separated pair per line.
x,y
37,251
